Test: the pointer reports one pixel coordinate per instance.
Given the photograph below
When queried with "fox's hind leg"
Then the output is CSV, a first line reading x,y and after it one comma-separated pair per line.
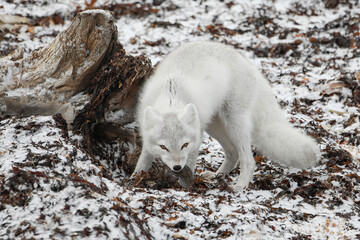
x,y
217,130
238,128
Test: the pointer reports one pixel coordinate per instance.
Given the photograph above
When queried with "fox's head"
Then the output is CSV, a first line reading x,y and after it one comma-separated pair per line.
x,y
172,136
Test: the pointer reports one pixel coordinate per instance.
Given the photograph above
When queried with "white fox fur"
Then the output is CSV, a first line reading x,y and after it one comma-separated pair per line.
x,y
208,86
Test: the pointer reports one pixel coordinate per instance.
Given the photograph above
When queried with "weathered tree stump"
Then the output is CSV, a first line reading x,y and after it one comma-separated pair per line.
x,y
85,75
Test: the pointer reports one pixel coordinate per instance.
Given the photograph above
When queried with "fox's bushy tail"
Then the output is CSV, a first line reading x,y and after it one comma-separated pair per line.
x,y
274,137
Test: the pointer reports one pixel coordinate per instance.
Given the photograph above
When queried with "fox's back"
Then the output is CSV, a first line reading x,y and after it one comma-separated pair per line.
x,y
205,74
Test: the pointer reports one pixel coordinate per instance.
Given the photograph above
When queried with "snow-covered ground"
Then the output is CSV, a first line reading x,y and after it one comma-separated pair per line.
x,y
308,50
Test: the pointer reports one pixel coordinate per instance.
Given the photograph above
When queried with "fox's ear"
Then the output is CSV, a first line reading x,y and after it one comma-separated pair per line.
x,y
189,115
152,118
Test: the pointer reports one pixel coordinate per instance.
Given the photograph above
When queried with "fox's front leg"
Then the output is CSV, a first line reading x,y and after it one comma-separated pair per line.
x,y
144,162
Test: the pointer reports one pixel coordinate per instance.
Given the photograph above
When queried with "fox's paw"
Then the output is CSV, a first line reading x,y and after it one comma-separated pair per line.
x,y
207,175
237,187
241,184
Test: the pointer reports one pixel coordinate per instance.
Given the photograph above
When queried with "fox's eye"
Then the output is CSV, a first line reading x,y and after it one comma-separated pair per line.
x,y
163,147
184,146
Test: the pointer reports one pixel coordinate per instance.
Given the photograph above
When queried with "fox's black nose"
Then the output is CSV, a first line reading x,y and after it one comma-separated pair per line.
x,y
177,168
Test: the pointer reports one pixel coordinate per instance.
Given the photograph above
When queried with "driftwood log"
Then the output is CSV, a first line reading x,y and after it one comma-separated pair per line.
x,y
85,75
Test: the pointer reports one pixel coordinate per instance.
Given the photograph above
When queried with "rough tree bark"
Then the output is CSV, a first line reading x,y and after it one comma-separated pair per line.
x,y
53,74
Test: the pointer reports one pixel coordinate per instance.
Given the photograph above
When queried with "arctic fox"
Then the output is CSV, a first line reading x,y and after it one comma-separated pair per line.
x,y
208,86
